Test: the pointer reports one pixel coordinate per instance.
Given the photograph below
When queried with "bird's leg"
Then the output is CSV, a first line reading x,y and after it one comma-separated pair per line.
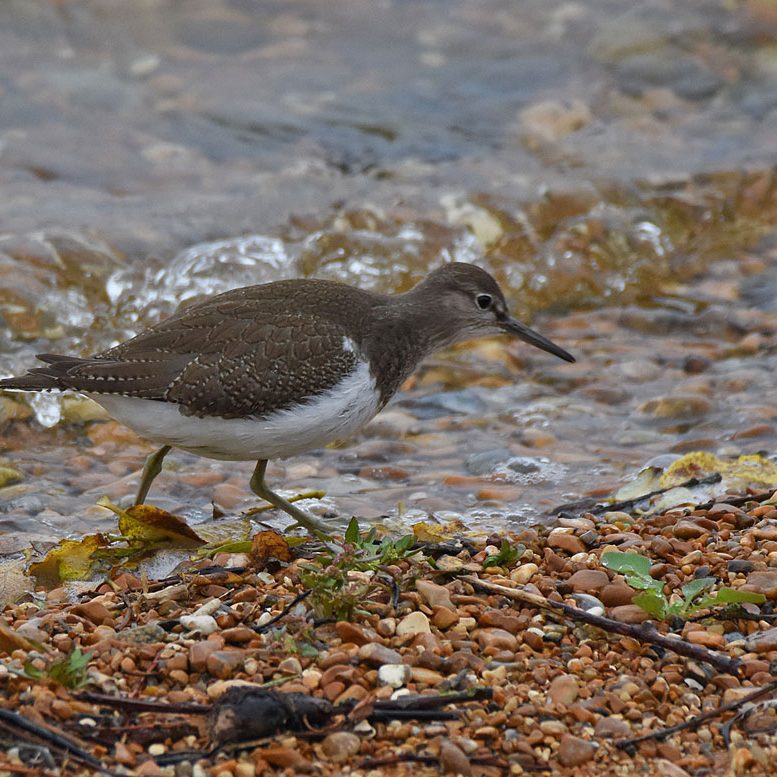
x,y
151,469
259,487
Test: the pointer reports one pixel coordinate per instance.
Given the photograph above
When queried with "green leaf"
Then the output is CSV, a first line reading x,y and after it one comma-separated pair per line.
x,y
627,562
653,603
352,532
693,588
734,596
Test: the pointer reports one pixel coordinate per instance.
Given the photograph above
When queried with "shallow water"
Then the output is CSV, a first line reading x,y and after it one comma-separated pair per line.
x,y
611,162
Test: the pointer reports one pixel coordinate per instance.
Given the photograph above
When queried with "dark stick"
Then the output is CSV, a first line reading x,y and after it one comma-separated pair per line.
x,y
643,632
695,722
598,507
283,613
14,721
141,705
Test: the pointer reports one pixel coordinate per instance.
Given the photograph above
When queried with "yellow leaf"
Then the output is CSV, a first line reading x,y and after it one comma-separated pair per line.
x,y
149,524
69,560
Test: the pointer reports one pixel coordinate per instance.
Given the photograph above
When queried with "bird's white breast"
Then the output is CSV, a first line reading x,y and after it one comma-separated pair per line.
x,y
335,413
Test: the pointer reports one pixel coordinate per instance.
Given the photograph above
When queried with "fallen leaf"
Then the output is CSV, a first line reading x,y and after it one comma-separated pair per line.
x,y
267,545
149,524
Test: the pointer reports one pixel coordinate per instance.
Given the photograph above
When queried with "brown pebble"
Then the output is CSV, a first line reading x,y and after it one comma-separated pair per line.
x,y
224,663
706,638
566,542
95,612
238,634
564,689
340,745
629,613
435,595
199,652
574,751
763,583
588,580
496,638
500,620
375,654
443,617
284,758
687,530
453,760
612,728
616,594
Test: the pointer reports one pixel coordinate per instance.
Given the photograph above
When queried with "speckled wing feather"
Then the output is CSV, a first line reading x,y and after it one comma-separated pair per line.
x,y
231,356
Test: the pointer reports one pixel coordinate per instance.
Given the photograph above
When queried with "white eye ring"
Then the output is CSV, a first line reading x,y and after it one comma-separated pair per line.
x,y
484,301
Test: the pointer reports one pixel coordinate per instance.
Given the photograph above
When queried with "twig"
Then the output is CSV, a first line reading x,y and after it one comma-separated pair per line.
x,y
695,722
16,723
598,508
283,613
143,705
644,632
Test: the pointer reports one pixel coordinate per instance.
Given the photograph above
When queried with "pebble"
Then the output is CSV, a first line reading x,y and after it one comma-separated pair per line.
x,y
706,638
667,768
616,594
524,573
443,617
564,689
394,675
561,539
588,580
740,566
612,728
224,663
202,624
763,583
453,759
762,641
435,595
497,638
424,676
574,751
340,745
629,613
285,758
687,530
413,623
377,655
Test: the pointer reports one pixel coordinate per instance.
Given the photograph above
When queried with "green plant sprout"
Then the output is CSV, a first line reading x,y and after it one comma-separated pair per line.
x,y
636,569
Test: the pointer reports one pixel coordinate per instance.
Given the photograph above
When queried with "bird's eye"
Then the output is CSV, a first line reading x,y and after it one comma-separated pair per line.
x,y
484,301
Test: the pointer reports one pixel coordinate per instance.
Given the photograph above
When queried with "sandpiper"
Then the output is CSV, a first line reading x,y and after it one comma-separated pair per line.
x,y
270,371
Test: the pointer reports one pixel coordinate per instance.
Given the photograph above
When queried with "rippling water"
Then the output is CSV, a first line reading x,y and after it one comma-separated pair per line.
x,y
611,162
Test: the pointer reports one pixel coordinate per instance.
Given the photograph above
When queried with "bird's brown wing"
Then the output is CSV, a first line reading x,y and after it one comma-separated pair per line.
x,y
231,359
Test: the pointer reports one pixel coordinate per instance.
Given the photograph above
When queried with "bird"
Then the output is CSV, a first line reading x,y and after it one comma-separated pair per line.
x,y
273,370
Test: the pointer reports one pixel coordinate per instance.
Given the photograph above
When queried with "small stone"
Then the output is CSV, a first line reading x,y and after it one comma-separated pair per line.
x,y
443,618
393,675
612,728
9,475
763,583
553,728
224,663
677,406
238,634
199,652
616,594
564,689
202,624
285,758
453,760
561,539
435,595
340,745
290,665
687,530
588,580
94,612
706,638
524,573
629,613
668,768
414,623
424,676
574,751
377,655
497,638
762,641
740,566
351,632
500,620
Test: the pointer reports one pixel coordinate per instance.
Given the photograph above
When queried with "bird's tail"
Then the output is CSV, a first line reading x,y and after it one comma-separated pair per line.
x,y
42,378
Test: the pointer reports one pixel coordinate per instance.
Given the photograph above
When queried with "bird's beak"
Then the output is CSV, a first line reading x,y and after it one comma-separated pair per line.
x,y
516,328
